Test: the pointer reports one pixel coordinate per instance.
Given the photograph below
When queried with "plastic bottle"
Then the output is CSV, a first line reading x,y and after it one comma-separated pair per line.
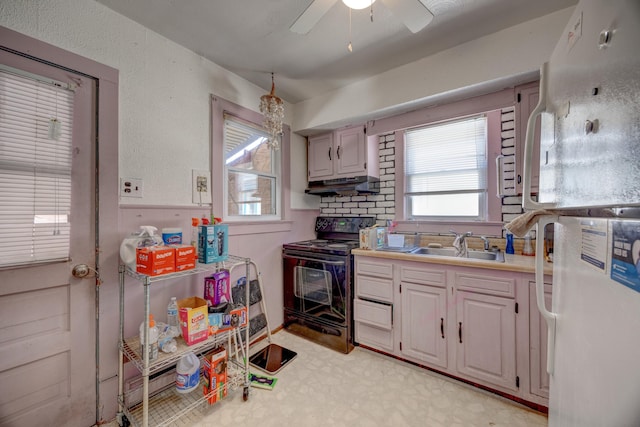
x,y
527,249
166,338
187,373
509,249
195,222
144,237
172,313
153,339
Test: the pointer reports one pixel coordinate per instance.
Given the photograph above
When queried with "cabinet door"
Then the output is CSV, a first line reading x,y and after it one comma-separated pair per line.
x,y
351,152
320,156
424,323
538,342
486,338
528,99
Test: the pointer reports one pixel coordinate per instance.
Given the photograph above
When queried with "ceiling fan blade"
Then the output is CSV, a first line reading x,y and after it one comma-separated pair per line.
x,y
413,13
310,17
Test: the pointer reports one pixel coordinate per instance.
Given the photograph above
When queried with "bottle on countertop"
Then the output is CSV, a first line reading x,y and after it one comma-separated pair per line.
x,y
153,339
527,249
509,249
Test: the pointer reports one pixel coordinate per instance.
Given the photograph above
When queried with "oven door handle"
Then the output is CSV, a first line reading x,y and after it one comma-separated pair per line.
x,y
314,259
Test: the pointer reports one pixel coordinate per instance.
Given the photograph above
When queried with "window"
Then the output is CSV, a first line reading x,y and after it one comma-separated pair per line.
x,y
446,170
252,172
35,168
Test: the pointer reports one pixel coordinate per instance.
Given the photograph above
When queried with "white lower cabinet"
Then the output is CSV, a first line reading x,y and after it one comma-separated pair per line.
x,y
373,304
486,338
424,309
472,323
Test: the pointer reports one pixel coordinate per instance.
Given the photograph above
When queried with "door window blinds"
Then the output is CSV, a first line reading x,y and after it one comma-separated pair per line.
x,y
35,168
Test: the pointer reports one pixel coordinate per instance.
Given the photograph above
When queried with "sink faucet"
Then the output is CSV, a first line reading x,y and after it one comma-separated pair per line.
x,y
486,242
460,243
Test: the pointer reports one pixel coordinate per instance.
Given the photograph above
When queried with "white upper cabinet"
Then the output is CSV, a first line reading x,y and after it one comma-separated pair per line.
x,y
344,153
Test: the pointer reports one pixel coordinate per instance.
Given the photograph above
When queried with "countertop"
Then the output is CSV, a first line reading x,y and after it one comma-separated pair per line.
x,y
519,263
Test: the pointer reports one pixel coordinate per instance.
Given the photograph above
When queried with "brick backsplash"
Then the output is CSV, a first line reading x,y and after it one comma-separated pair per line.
x,y
382,205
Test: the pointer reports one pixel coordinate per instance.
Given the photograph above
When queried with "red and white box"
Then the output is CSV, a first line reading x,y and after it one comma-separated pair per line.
x,y
155,260
215,375
185,257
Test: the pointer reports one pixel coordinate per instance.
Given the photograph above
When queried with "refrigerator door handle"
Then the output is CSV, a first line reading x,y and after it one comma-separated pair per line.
x,y
548,316
527,201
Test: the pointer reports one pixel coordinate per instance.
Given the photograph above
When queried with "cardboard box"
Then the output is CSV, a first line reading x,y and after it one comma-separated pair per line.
x,y
217,288
236,318
213,243
185,257
214,367
194,319
155,260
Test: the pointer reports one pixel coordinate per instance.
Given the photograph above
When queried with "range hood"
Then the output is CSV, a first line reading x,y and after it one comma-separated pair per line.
x,y
344,186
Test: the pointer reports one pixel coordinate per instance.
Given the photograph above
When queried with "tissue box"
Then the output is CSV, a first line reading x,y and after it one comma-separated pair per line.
x,y
185,257
194,319
213,243
217,289
155,260
215,375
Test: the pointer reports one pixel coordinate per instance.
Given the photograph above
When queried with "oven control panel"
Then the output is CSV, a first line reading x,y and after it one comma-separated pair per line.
x,y
343,224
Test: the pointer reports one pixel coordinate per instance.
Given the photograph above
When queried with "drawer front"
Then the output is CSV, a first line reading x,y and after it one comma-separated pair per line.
x,y
374,268
377,338
491,285
371,313
423,277
374,289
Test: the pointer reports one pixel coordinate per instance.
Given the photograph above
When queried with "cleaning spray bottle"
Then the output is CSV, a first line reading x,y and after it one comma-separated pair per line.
x,y
146,236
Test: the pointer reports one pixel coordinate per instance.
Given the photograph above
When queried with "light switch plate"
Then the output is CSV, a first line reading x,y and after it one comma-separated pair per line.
x,y
131,187
201,186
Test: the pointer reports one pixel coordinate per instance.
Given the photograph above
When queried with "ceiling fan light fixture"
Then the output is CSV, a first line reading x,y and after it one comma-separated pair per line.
x,y
358,4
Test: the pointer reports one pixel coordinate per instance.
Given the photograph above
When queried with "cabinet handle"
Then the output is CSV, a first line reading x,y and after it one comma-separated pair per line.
x,y
460,332
442,327
338,151
330,154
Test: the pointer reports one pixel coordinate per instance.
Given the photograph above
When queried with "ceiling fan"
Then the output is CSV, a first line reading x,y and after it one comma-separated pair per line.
x,y
413,13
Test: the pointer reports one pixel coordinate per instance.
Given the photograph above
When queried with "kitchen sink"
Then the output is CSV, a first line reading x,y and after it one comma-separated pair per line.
x,y
451,252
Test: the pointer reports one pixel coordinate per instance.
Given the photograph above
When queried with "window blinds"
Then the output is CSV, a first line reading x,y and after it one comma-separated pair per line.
x,y
35,169
447,158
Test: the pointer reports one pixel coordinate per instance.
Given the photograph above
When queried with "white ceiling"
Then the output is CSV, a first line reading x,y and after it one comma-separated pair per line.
x,y
252,38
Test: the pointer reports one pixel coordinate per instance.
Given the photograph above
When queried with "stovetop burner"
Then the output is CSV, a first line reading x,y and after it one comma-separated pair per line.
x,y
335,235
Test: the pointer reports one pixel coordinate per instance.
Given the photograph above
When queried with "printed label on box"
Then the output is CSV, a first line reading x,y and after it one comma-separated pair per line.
x,y
194,319
155,260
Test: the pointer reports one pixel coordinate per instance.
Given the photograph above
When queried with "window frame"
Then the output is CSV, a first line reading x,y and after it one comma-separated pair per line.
x,y
482,195
247,224
491,105
275,174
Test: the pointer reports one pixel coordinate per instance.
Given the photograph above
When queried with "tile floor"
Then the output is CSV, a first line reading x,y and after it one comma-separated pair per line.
x,y
322,387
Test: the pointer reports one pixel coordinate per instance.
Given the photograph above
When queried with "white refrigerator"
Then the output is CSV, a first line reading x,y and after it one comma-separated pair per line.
x,y
590,190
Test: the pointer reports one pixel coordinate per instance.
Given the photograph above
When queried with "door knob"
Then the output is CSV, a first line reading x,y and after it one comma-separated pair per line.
x,y
80,271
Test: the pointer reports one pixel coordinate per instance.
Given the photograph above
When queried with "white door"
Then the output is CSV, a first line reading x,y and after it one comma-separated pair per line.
x,y
47,316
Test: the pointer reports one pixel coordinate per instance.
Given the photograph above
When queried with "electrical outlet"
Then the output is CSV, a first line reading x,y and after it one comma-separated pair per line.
x,y
131,187
201,186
